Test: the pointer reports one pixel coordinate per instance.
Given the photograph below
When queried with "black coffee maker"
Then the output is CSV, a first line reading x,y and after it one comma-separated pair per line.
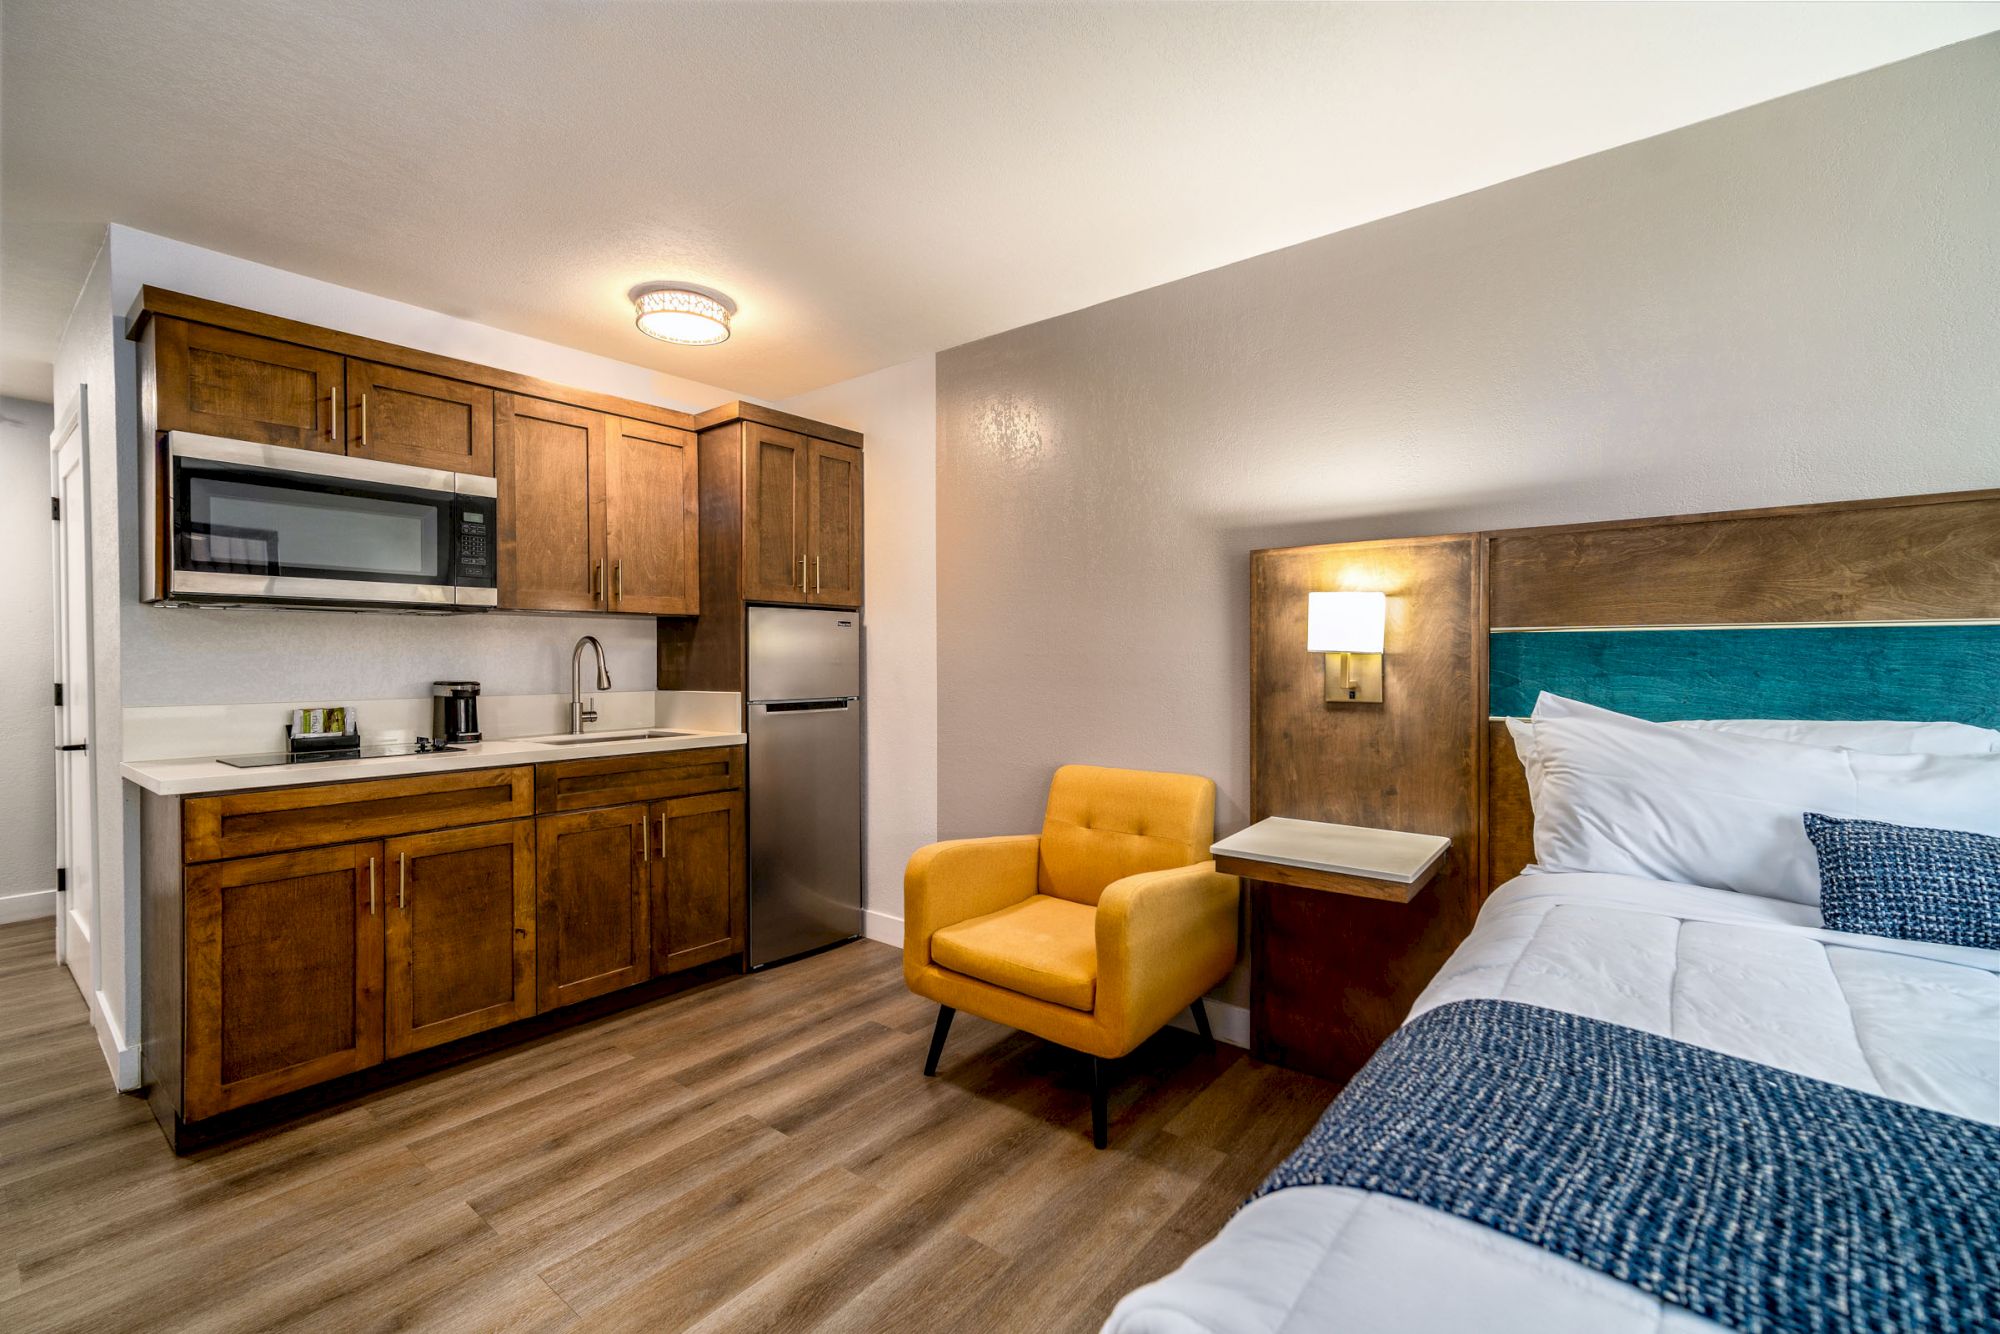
x,y
455,711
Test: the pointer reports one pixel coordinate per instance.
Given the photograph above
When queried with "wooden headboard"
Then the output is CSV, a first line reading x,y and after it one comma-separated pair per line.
x,y
1866,609
1837,567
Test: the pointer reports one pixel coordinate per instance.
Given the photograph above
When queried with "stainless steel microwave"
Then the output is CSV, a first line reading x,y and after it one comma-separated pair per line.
x,y
238,522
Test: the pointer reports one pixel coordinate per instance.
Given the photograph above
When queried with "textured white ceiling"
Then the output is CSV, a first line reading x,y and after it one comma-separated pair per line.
x,y
870,182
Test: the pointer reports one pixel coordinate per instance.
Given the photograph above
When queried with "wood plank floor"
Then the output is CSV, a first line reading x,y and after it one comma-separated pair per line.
x,y
760,1154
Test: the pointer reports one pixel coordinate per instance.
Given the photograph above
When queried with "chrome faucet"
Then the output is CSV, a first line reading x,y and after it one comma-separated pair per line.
x,y
578,714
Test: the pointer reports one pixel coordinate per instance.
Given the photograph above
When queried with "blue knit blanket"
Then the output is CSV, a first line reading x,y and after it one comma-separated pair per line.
x,y
1760,1199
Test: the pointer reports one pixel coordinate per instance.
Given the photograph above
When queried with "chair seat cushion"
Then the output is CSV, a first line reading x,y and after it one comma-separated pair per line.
x,y
1043,947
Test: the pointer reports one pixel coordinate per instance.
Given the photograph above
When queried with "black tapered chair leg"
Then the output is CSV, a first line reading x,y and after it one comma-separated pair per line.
x,y
945,1012
1201,1020
1098,1118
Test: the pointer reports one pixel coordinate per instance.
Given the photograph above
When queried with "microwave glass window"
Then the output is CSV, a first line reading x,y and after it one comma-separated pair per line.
x,y
255,527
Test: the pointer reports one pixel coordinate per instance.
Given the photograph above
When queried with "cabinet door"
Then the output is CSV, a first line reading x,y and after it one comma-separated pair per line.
x,y
591,930
459,956
774,514
427,421
548,458
834,512
698,880
284,973
220,382
652,518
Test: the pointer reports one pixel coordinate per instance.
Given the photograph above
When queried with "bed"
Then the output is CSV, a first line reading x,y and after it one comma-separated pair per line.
x,y
1652,1086
1752,977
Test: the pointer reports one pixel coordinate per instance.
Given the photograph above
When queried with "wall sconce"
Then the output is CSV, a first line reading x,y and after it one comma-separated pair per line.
x,y
1347,628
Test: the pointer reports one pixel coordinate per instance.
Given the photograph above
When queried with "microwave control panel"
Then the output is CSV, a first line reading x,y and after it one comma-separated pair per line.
x,y
472,563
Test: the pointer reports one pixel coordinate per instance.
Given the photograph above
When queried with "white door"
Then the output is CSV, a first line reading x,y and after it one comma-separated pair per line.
x,y
76,906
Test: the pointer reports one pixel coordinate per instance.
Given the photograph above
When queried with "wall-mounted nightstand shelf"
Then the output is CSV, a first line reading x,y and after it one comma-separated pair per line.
x,y
1341,859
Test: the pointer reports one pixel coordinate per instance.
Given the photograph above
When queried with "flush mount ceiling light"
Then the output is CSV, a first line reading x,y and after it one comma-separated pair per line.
x,y
682,313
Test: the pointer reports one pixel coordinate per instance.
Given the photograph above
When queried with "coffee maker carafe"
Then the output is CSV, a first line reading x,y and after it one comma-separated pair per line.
x,y
455,711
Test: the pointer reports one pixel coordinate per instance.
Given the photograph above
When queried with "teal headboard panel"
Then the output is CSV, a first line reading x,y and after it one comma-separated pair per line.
x,y
1916,672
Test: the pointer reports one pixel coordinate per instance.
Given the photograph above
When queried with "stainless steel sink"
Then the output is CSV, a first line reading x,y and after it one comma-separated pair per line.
x,y
589,738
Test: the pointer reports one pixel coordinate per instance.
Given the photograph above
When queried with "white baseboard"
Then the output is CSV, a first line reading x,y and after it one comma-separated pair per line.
x,y
27,907
123,1059
882,926
1231,1023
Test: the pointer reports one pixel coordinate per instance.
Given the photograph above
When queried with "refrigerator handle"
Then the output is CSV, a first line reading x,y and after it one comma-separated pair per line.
x,y
804,705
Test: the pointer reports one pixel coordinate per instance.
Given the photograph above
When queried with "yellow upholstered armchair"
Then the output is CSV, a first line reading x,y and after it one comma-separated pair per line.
x,y
1093,934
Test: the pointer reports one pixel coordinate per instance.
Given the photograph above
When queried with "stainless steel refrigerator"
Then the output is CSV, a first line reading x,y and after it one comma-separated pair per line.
x,y
805,780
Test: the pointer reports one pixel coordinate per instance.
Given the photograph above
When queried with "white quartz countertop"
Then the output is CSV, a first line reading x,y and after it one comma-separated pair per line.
x,y
177,778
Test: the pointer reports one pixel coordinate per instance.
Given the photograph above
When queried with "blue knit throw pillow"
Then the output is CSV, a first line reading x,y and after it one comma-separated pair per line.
x,y
1938,885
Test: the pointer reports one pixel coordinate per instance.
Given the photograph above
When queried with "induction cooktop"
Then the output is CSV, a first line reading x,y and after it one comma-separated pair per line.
x,y
383,750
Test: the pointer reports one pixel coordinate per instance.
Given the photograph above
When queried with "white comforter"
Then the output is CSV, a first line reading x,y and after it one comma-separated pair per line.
x,y
1756,978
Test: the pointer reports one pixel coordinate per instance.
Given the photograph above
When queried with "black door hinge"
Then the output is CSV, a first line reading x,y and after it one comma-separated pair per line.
x,y
62,879
55,508
59,694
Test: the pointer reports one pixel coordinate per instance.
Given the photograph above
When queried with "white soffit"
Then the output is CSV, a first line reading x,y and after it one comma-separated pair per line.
x,y
869,182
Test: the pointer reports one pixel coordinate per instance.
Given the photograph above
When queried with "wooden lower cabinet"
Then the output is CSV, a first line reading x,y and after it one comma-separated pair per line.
x,y
591,928
698,880
284,974
459,909
295,935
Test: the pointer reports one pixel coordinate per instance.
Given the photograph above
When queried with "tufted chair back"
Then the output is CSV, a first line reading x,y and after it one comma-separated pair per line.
x,y
1105,824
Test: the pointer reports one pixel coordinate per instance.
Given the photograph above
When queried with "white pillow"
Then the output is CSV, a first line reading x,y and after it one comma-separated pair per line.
x,y
1622,796
1877,738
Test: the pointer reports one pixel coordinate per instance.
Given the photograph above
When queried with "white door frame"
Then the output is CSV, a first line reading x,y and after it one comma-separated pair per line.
x,y
78,903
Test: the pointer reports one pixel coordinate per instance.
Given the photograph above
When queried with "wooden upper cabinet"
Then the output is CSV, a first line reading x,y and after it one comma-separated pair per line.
x,y
833,538
283,973
592,885
403,416
547,456
459,955
652,518
242,387
775,473
698,880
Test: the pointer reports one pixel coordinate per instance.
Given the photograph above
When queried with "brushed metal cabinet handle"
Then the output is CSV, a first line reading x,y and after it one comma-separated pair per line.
x,y
816,585
618,581
371,886
402,879
802,574
596,581
663,833
645,840
364,419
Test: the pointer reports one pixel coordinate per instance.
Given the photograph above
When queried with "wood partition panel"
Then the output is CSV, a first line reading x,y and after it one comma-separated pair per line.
x,y
1332,975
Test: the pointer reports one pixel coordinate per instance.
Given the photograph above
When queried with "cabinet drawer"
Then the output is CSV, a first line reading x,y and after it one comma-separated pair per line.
x,y
246,824
575,785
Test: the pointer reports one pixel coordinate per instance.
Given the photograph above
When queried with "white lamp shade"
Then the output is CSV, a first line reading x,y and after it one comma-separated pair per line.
x,y
1345,622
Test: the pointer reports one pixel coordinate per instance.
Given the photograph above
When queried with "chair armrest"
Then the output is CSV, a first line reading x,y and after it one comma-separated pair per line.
x,y
958,880
1163,939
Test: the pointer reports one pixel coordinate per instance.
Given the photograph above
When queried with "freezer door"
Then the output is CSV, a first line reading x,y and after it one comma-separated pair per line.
x,y
801,653
805,827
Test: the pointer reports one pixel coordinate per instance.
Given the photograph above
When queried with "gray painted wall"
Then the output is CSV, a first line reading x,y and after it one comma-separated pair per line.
x,y
27,722
1796,302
